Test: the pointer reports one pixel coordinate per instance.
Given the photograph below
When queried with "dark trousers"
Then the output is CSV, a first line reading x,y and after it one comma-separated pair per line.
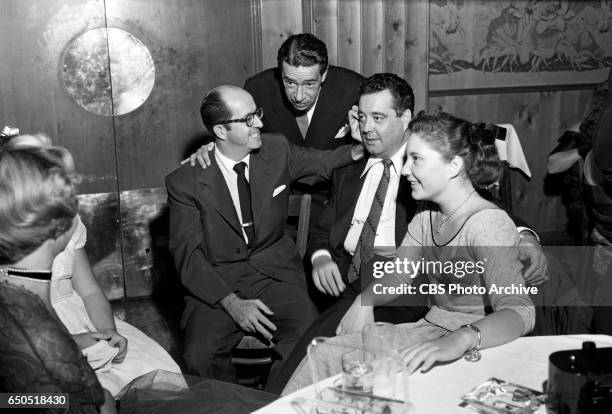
x,y
327,322
211,334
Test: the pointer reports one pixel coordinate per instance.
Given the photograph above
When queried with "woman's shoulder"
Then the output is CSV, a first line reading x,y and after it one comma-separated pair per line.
x,y
491,226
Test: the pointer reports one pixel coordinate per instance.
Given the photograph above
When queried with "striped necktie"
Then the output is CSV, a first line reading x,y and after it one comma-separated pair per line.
x,y
364,251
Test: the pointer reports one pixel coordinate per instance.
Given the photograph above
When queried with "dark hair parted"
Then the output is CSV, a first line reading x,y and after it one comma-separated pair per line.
x,y
403,96
453,136
37,200
303,49
214,110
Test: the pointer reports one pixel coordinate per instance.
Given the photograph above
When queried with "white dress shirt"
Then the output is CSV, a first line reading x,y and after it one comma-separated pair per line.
x,y
231,179
312,109
385,232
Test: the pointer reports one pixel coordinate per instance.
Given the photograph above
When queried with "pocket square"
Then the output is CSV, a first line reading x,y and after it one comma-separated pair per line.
x,y
278,190
342,131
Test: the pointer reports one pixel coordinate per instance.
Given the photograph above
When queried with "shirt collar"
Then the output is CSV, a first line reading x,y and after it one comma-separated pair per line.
x,y
227,163
398,160
310,112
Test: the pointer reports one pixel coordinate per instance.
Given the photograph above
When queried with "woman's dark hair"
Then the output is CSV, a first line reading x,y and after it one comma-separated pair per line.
x,y
453,136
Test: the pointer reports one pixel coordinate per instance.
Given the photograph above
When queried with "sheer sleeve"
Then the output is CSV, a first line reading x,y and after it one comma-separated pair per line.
x,y
79,237
37,354
503,270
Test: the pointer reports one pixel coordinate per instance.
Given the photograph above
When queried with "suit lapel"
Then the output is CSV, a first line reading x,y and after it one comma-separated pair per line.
x,y
352,186
261,185
284,122
217,194
324,118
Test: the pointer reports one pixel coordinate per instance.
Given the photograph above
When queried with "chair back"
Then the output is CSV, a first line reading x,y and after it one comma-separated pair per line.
x,y
299,207
501,190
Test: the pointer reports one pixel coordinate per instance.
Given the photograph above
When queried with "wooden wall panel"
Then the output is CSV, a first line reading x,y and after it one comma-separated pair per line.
x,y
416,51
326,25
279,19
349,35
193,50
372,36
32,97
395,34
539,119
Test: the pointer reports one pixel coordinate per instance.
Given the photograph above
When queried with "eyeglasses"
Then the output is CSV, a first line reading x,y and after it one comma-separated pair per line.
x,y
249,119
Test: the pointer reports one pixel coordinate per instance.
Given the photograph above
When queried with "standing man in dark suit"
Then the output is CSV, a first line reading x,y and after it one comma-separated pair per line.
x,y
306,100
241,272
304,97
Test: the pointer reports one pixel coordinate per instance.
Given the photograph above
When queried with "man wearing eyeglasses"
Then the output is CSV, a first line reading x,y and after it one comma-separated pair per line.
x,y
306,100
241,272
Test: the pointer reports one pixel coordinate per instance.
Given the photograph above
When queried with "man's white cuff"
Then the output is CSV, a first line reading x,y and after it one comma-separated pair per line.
x,y
319,253
521,229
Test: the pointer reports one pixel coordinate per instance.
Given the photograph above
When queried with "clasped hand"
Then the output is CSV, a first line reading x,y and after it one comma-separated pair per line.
x,y
87,339
250,315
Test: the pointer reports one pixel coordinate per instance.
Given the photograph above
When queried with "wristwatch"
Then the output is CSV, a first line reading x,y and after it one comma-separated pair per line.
x,y
473,355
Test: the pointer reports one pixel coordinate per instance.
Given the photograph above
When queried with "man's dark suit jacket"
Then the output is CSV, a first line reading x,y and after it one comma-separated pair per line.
x,y
206,239
339,92
330,233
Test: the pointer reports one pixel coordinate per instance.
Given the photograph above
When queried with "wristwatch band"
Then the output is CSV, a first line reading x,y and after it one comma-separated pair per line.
x,y
473,355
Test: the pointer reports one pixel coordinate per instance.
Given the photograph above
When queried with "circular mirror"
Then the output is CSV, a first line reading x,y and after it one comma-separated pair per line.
x,y
108,71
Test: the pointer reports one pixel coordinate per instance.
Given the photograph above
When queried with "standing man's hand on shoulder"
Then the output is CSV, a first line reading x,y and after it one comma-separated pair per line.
x,y
201,156
357,151
353,116
249,314
535,263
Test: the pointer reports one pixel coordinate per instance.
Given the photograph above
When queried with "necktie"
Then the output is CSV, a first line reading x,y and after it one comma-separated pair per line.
x,y
302,122
244,194
364,251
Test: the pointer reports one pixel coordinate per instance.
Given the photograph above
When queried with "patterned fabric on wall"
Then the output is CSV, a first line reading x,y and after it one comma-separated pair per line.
x,y
479,43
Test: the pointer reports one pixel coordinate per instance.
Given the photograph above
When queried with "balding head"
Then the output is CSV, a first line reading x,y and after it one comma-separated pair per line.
x,y
218,104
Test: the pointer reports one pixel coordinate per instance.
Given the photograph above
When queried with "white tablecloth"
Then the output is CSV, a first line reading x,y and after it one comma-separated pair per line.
x,y
523,361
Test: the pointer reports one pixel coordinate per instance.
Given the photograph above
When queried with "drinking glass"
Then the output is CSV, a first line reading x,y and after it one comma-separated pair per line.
x,y
358,370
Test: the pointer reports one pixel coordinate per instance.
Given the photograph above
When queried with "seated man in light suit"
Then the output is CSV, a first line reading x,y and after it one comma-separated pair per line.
x,y
241,272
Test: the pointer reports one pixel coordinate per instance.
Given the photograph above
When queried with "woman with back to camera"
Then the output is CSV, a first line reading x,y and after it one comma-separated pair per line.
x,y
83,308
38,206
448,159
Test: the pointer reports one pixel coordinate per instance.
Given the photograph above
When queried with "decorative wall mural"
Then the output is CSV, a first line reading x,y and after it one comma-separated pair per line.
x,y
480,43
108,71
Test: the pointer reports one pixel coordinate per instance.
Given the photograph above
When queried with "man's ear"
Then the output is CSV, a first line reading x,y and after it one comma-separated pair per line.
x,y
220,131
406,118
324,75
455,166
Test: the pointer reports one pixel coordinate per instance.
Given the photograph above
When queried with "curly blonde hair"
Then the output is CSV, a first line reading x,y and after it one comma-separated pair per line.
x,y
37,199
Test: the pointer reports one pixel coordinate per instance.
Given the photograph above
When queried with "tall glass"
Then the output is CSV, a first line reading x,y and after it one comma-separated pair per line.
x,y
380,338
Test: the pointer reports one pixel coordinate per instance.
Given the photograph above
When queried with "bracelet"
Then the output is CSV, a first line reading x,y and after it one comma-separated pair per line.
x,y
473,355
